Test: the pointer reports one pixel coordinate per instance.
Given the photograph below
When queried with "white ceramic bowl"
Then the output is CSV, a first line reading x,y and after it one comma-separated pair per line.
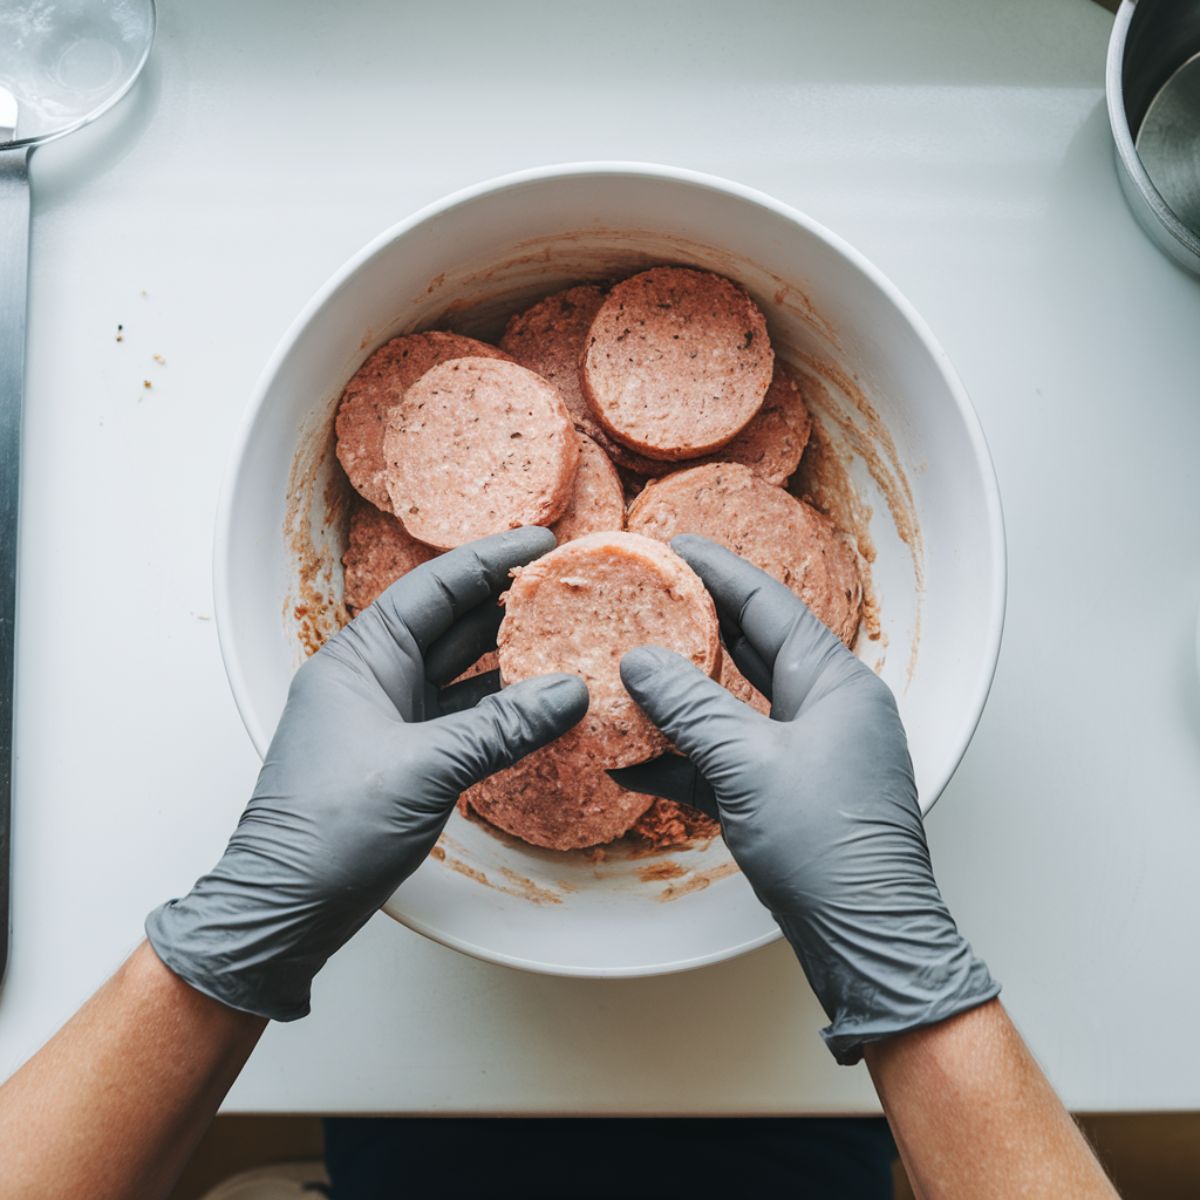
x,y
897,418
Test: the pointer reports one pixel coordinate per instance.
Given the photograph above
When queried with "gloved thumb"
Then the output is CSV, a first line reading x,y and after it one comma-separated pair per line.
x,y
505,727
706,722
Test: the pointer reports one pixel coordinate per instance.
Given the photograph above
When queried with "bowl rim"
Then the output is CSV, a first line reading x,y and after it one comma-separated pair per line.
x,y
537,966
224,524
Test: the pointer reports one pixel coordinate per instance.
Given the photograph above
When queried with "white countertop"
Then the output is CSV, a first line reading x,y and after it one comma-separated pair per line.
x,y
962,146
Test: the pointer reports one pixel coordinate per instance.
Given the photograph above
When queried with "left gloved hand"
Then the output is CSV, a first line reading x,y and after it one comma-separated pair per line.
x,y
364,769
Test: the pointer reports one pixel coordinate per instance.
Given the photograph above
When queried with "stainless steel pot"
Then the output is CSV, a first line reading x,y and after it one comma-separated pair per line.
x,y
1153,86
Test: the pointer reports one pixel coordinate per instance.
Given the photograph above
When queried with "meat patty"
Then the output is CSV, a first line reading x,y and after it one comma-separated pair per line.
x,y
581,607
774,441
597,499
666,825
477,446
558,801
783,536
378,552
677,362
548,339
378,384
563,802
771,445
733,680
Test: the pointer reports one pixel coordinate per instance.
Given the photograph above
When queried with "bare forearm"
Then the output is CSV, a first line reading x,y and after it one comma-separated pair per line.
x,y
974,1116
113,1105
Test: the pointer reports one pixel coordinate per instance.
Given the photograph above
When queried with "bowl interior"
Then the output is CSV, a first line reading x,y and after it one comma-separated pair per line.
x,y
902,464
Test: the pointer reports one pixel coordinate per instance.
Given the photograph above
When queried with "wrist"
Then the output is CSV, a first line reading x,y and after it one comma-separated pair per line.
x,y
146,972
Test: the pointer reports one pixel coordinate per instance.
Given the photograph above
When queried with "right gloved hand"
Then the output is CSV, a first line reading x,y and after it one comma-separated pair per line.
x,y
818,805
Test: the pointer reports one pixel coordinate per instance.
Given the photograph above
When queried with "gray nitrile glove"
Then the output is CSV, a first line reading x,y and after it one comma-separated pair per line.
x,y
360,777
817,804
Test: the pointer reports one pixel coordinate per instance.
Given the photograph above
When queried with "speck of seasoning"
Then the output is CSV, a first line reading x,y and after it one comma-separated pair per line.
x,y
158,358
120,333
147,384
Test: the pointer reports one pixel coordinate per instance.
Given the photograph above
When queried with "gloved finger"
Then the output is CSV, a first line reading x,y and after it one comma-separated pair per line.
x,y
464,643
673,778
706,722
466,693
748,599
771,616
502,728
429,599
747,659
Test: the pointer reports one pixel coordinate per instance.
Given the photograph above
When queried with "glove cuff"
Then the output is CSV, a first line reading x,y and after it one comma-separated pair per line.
x,y
226,989
850,1032
875,986
232,951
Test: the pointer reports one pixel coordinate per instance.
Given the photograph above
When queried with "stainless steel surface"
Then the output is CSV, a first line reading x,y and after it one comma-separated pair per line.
x,y
1168,143
62,64
1153,88
14,261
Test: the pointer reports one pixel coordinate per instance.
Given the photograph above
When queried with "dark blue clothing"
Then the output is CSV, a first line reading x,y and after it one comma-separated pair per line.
x,y
563,1158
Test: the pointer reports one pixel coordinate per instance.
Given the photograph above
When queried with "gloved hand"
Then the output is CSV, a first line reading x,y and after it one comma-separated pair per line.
x,y
363,771
817,804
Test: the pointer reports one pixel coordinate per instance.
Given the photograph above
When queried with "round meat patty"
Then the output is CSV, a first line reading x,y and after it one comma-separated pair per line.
x,y
378,552
677,362
581,607
772,445
549,339
734,681
477,446
552,799
378,384
597,499
781,535
561,802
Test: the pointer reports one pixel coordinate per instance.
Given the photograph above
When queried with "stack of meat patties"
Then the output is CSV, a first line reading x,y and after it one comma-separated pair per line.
x,y
618,416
